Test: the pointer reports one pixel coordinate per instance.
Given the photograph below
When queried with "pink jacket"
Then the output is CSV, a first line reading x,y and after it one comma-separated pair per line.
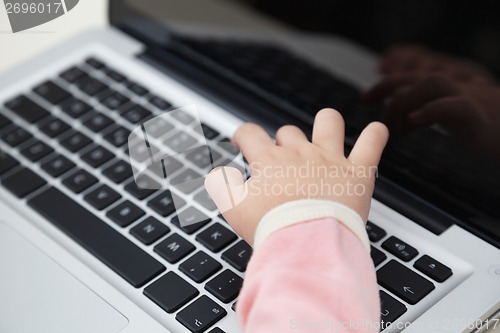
x,y
314,276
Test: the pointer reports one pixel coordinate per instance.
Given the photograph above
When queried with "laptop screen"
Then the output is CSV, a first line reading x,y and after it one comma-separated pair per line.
x,y
448,156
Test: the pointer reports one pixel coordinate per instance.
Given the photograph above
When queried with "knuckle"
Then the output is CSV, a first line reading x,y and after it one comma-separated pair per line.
x,y
246,129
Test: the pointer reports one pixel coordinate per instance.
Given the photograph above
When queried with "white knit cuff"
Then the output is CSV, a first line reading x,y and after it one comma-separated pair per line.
x,y
299,211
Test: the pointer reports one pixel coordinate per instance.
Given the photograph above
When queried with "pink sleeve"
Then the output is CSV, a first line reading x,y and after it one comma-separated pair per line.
x,y
311,277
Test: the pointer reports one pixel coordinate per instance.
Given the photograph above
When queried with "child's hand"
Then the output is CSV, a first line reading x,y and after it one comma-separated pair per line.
x,y
294,168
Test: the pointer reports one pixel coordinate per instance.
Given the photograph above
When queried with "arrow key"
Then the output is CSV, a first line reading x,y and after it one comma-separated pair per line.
x,y
403,282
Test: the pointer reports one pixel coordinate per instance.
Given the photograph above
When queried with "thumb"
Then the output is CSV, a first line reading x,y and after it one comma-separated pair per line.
x,y
226,187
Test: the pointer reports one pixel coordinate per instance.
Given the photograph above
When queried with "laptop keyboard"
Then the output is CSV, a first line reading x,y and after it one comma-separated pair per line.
x,y
104,102
292,79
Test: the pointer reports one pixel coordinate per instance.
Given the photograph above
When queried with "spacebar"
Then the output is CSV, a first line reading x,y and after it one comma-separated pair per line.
x,y
112,248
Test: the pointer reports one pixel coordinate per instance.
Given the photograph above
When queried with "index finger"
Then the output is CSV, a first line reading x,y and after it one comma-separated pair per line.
x,y
252,141
369,147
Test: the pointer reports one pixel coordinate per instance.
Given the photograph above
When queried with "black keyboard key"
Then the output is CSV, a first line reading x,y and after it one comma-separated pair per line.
x,y
117,136
190,220
15,136
54,127
79,181
433,268
187,181
23,182
403,282
216,237
164,204
137,89
159,128
4,121
142,188
92,86
97,156
118,172
238,255
52,92
114,101
36,151
377,256
140,152
72,74
183,117
201,314
149,230
174,248
203,157
27,109
204,199
160,103
82,80
125,213
7,162
114,75
400,249
170,165
75,141
209,132
113,249
57,166
225,286
179,141
375,233
93,62
390,309
75,108
105,94
135,113
97,122
102,197
233,307
170,292
200,267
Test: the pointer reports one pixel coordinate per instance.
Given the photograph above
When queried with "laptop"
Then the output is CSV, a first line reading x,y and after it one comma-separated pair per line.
x,y
88,246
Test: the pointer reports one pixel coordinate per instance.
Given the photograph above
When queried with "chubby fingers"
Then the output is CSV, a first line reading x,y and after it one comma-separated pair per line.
x,y
328,131
290,135
252,140
369,147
